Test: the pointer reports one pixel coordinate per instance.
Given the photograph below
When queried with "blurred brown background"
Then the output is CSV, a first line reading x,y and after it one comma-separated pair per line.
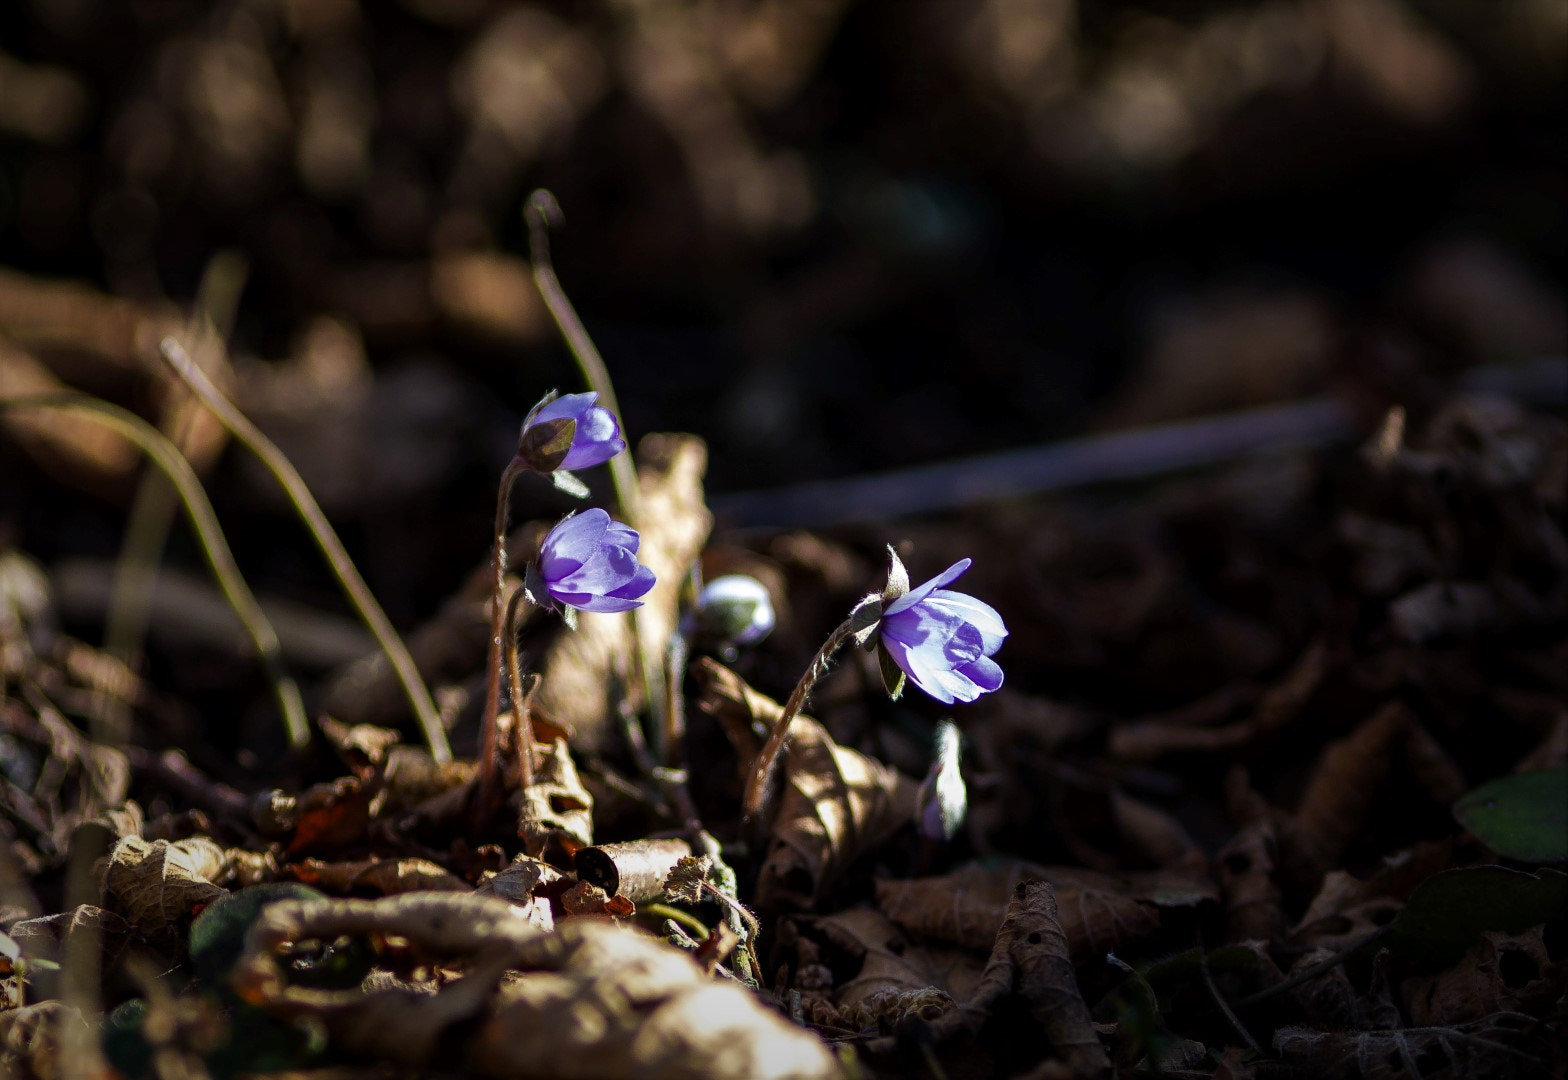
x,y
827,236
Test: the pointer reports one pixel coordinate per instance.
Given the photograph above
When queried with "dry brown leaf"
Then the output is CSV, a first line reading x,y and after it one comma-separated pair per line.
x,y
1030,959
892,968
1501,973
160,886
321,818
524,884
1204,730
1099,912
50,938
1245,869
581,669
589,999
1345,908
1346,781
364,748
36,1040
381,877
835,804
557,810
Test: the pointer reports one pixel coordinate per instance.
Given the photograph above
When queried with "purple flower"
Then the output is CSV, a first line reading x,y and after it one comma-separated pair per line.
x,y
589,562
595,439
944,640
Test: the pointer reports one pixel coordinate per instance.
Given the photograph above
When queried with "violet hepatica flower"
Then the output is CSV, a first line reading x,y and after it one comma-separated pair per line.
x,y
589,563
569,432
941,639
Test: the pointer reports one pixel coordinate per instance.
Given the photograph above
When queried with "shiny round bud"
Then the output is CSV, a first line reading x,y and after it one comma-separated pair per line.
x,y
733,610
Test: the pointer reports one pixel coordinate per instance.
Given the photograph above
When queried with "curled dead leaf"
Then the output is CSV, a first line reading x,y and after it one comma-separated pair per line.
x,y
589,999
1030,959
835,803
381,877
894,972
1345,782
1245,868
1501,973
525,884
556,815
160,886
1099,912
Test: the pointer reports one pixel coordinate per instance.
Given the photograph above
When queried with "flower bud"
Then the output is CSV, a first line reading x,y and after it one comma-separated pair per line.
x,y
568,432
733,610
943,800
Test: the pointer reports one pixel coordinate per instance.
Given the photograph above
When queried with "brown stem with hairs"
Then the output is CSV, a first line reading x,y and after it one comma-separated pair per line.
x,y
489,750
521,693
767,757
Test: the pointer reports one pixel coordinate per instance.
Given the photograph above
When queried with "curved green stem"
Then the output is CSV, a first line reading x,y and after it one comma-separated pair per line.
x,y
342,566
685,918
209,534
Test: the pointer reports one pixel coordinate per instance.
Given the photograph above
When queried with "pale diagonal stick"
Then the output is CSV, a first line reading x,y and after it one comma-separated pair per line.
x,y
342,566
209,535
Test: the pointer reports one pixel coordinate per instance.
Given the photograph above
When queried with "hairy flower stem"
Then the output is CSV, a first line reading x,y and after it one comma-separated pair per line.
x,y
489,749
354,587
762,767
209,535
522,691
541,212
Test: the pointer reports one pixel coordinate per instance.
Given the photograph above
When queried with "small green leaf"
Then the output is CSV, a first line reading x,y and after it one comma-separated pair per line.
x,y
892,675
568,484
1523,816
1448,911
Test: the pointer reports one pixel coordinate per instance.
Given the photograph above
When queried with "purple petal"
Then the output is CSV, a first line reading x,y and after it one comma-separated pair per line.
x,y
622,536
640,583
985,673
597,440
589,602
924,589
571,544
598,436
606,570
981,616
567,407
917,663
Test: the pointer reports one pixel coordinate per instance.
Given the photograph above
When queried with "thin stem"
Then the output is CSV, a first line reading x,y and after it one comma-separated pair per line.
x,y
522,695
762,767
541,212
209,535
342,566
153,507
753,928
1219,999
489,750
